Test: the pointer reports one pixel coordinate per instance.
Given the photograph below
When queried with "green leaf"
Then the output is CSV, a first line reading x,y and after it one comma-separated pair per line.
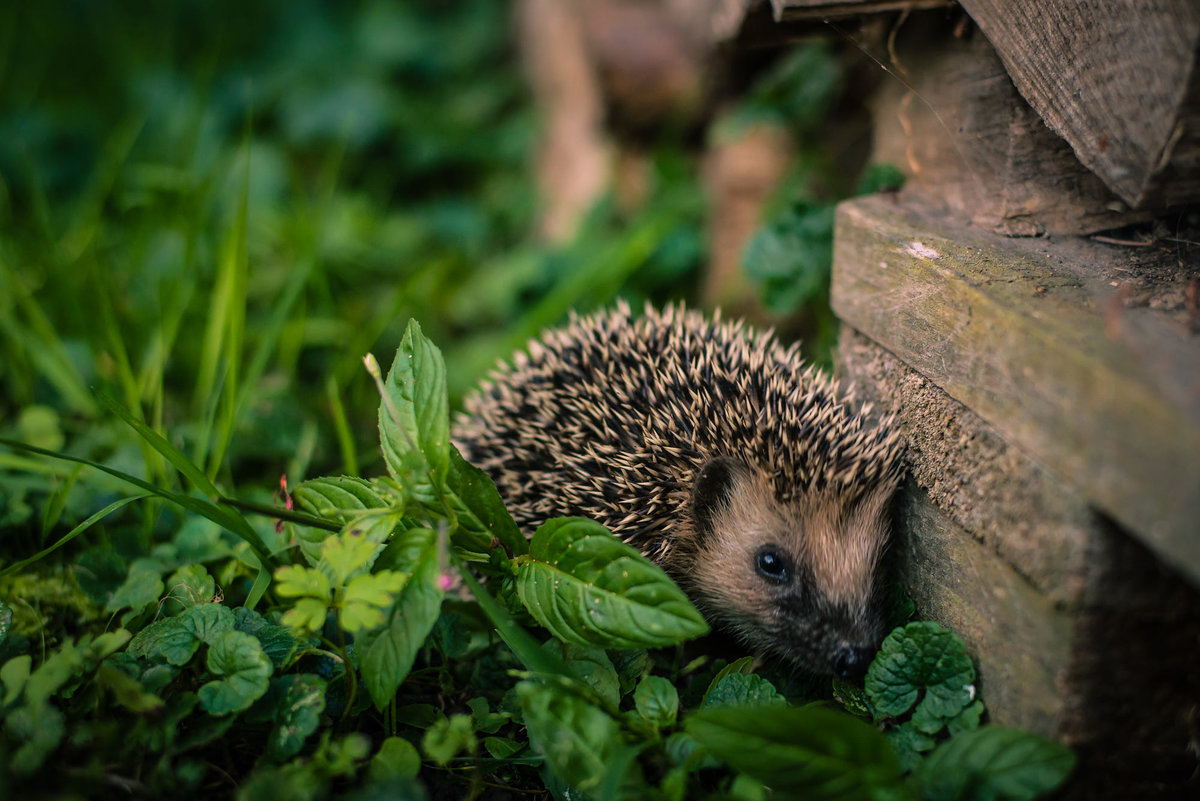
x,y
39,729
141,588
387,657
415,412
449,737
278,642
807,752
657,701
853,697
190,586
165,641
307,614
578,739
589,588
13,676
128,691
994,763
354,550
207,621
909,743
297,715
72,534
966,720
742,690
592,667
479,510
245,670
502,747
397,757
926,661
339,498
485,720
296,581
367,598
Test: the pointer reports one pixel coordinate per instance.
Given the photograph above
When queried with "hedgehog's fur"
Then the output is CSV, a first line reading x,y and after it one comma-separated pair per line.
x,y
710,447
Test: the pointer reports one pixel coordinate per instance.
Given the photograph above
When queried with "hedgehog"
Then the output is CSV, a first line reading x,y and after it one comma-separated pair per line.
x,y
720,454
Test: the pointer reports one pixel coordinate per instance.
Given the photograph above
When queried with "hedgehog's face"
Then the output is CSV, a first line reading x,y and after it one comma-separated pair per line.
x,y
797,580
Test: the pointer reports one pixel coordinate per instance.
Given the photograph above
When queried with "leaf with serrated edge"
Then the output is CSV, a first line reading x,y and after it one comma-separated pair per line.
x,y
589,588
387,656
926,661
994,762
245,673
415,411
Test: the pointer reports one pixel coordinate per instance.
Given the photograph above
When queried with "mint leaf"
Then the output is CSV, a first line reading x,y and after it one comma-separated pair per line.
x,y
339,498
480,511
589,588
924,661
415,412
804,752
388,656
656,701
578,739
743,690
993,763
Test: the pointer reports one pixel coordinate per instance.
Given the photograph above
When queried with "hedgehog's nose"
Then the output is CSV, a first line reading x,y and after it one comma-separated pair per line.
x,y
851,660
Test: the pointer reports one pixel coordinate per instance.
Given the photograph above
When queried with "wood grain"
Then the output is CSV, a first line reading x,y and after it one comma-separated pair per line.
x,y
1017,336
1116,79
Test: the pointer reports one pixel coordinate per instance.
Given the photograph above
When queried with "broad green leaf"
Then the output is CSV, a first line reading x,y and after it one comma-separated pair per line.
x,y
502,747
295,581
278,642
479,510
578,739
909,743
307,614
297,715
742,690
189,586
39,729
13,676
396,757
208,621
165,641
806,752
993,763
367,598
448,738
355,548
142,587
589,588
388,655
591,666
245,673
925,661
340,498
657,701
128,691
485,720
415,412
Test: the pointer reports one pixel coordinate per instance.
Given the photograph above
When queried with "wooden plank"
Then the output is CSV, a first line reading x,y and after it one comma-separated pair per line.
x,y
1114,79
794,10
950,117
1015,334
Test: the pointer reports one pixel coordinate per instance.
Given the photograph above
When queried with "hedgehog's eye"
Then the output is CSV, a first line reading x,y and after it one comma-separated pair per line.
x,y
773,565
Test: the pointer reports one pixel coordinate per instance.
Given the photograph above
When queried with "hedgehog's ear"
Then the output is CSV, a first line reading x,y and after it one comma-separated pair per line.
x,y
711,490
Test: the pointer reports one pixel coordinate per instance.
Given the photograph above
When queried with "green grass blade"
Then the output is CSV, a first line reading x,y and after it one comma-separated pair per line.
x,y
176,457
223,517
73,533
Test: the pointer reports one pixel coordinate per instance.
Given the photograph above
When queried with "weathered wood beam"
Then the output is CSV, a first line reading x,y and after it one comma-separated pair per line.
x,y
1013,332
1118,80
793,10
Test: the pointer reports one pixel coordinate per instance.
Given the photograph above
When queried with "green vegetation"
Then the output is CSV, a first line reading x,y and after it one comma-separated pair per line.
x,y
201,234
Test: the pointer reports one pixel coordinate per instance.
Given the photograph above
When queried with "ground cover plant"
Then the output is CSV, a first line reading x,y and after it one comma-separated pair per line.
x,y
200,237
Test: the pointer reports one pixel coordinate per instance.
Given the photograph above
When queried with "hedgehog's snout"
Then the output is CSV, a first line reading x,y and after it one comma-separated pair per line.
x,y
851,661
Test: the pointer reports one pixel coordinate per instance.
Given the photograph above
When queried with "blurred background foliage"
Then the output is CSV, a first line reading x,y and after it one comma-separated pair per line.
x,y
213,209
